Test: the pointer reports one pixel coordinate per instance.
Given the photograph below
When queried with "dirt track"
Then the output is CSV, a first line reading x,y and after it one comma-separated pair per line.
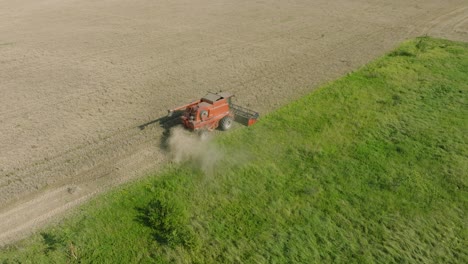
x,y
77,78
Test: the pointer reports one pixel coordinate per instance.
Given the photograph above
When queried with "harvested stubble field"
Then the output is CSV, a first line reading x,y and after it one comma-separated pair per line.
x,y
77,78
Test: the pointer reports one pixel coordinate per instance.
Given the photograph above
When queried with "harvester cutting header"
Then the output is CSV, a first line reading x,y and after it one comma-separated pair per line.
x,y
212,111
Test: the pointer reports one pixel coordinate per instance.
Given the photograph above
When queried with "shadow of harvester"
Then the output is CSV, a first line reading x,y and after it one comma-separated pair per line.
x,y
167,123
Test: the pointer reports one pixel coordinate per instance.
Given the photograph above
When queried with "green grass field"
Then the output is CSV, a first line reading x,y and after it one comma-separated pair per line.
x,y
371,168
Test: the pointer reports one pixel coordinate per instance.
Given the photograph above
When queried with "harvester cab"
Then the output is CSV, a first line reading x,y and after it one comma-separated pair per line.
x,y
212,111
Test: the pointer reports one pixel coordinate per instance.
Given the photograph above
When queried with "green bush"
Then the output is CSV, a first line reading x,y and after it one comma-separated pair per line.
x,y
169,221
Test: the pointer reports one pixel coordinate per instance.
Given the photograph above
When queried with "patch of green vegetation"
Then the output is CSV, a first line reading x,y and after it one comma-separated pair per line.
x,y
371,168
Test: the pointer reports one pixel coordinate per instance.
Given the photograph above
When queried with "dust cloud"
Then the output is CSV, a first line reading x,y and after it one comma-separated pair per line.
x,y
202,153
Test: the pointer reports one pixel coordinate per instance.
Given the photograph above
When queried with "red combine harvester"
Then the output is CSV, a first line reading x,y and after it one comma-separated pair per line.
x,y
212,111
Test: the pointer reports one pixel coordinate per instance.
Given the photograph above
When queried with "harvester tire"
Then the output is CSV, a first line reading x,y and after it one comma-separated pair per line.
x,y
226,123
203,114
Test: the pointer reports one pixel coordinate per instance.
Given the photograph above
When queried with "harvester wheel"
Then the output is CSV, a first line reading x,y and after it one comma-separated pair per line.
x,y
203,114
226,123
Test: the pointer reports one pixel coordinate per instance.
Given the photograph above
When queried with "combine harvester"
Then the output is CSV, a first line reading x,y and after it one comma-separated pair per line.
x,y
212,111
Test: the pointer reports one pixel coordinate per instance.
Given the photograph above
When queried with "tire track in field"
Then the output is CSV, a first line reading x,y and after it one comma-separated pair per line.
x,y
20,219
66,166
445,24
450,25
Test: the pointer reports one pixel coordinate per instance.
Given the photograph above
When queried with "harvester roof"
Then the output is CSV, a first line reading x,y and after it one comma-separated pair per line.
x,y
212,97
